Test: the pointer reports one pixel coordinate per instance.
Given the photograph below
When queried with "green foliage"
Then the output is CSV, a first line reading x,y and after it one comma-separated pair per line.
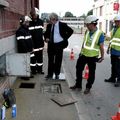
x,y
90,12
68,14
83,16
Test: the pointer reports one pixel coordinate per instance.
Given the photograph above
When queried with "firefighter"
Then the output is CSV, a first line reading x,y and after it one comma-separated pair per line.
x,y
92,49
24,39
114,50
36,30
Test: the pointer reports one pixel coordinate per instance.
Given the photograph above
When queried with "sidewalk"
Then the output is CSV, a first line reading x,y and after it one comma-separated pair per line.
x,y
35,103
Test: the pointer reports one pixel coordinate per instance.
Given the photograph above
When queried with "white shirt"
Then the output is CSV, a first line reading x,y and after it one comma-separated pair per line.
x,y
57,36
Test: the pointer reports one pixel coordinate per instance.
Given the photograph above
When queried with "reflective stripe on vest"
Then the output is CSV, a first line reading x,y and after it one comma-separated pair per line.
x,y
32,55
24,37
20,37
93,41
36,27
38,49
28,37
32,64
39,64
115,41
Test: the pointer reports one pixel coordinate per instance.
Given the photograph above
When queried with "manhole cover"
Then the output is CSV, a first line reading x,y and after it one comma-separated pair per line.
x,y
51,88
27,85
63,100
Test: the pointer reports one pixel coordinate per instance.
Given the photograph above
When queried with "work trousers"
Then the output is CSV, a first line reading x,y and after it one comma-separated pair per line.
x,y
55,55
37,62
115,67
81,62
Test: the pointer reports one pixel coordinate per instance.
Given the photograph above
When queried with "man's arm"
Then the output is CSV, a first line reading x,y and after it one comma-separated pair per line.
x,y
101,52
108,49
101,44
69,31
47,33
65,30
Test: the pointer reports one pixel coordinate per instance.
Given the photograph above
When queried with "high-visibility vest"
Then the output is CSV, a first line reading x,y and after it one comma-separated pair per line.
x,y
115,40
90,46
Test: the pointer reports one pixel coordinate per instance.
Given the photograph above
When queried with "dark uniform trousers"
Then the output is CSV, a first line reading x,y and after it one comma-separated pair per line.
x,y
37,61
55,55
81,62
115,67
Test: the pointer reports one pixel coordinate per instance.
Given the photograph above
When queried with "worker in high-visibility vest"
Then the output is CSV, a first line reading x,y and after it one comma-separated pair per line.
x,y
92,51
114,50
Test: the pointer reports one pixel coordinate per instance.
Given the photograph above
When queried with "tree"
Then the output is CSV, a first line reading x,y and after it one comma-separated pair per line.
x,y
90,12
68,14
83,16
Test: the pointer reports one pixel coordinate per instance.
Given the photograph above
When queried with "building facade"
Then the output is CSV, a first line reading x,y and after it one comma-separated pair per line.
x,y
105,10
77,23
10,12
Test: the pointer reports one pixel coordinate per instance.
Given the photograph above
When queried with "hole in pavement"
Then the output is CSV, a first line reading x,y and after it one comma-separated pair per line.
x,y
27,85
51,88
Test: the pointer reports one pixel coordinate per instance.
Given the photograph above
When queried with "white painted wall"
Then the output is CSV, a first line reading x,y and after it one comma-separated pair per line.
x,y
7,44
108,13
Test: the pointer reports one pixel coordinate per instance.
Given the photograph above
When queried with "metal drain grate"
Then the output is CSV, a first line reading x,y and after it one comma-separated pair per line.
x,y
51,88
27,85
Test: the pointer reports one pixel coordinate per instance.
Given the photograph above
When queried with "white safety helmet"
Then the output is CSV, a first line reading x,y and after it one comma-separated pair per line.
x,y
24,19
27,18
91,19
36,11
117,17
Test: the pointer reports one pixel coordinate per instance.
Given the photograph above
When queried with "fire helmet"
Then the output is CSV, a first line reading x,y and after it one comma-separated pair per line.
x,y
36,11
25,18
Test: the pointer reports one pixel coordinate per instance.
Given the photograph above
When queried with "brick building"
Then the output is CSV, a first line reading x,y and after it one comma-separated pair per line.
x,y
10,12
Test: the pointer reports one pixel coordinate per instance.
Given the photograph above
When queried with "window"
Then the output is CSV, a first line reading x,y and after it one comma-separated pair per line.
x,y
101,10
100,25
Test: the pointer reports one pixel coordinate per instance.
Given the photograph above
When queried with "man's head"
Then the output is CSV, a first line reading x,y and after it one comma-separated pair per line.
x,y
91,22
34,13
53,18
24,20
117,20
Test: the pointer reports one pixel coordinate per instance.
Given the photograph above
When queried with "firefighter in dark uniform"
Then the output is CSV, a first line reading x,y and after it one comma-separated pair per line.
x,y
36,30
24,39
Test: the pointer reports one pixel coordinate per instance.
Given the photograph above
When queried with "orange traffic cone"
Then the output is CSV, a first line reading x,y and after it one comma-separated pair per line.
x,y
72,54
117,116
86,72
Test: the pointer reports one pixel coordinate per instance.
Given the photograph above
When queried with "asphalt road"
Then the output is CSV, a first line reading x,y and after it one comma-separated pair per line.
x,y
104,98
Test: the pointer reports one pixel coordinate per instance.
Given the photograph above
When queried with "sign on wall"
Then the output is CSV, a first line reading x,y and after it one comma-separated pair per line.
x,y
116,6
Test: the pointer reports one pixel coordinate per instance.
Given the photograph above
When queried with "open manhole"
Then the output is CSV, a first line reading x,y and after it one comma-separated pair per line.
x,y
51,88
27,85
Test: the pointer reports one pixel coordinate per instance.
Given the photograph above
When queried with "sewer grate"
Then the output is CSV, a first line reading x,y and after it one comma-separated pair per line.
x,y
51,88
27,85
